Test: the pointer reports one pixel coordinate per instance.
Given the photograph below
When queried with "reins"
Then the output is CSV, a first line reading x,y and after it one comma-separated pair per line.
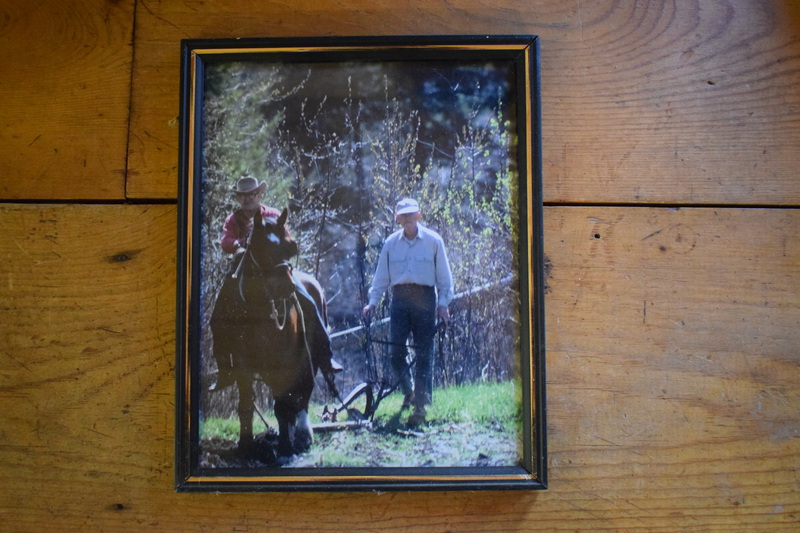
x,y
238,275
302,318
274,315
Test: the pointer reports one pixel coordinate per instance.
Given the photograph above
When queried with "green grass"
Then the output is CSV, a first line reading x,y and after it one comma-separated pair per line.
x,y
228,428
481,403
466,425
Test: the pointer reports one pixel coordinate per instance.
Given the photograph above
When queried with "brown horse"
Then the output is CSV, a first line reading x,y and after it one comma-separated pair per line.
x,y
260,323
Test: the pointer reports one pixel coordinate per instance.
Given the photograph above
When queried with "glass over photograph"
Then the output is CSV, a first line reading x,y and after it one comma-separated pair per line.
x,y
359,239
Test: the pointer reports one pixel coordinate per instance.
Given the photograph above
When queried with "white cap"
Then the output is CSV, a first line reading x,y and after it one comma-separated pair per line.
x,y
406,205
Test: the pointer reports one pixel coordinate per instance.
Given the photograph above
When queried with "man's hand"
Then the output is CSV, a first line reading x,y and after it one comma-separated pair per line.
x,y
367,311
443,313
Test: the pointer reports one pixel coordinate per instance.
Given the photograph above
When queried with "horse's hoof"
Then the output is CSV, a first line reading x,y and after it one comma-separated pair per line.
x,y
303,434
245,449
285,450
303,441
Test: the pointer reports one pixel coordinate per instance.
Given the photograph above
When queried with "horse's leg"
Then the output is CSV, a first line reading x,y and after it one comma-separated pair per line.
x,y
222,335
246,409
303,434
285,413
294,428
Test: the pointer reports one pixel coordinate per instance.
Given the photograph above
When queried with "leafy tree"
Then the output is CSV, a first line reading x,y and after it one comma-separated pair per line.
x,y
340,144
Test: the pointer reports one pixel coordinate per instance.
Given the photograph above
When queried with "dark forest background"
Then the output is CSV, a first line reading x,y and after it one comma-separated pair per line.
x,y
339,144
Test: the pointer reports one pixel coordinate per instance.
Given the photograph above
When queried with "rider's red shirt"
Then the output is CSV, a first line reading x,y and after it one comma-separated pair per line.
x,y
238,226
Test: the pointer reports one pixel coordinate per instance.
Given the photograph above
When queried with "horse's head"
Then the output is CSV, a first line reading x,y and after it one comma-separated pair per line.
x,y
271,247
270,243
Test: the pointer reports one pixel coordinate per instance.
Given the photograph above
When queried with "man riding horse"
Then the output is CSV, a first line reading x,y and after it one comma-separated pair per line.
x,y
238,226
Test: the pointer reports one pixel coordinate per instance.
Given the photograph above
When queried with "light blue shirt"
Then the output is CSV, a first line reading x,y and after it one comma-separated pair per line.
x,y
421,261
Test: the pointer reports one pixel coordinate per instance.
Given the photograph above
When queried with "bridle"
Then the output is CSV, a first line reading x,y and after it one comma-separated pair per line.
x,y
292,297
288,302
238,274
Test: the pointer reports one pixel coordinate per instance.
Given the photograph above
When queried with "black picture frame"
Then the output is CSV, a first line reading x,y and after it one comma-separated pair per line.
x,y
434,102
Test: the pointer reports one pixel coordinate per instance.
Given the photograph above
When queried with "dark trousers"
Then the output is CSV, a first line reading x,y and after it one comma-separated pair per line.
x,y
413,313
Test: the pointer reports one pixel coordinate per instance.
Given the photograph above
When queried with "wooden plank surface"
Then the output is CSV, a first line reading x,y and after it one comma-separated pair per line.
x,y
672,381
65,67
646,102
672,366
672,334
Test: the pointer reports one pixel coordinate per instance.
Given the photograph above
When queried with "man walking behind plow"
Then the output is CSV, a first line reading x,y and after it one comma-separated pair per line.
x,y
413,263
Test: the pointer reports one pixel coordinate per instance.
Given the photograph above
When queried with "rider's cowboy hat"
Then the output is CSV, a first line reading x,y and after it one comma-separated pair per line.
x,y
248,184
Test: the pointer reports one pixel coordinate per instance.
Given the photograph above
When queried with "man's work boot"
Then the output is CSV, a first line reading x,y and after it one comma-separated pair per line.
x,y
408,401
417,418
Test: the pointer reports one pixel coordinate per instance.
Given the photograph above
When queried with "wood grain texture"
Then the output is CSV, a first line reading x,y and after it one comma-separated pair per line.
x,y
65,93
672,382
645,102
672,365
676,102
87,309
672,334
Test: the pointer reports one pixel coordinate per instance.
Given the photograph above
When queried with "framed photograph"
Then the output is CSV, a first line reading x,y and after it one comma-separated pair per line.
x,y
360,265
